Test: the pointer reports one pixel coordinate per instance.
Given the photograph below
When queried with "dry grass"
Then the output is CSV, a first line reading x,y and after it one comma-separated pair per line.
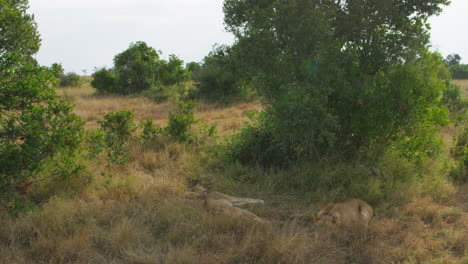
x,y
144,214
91,107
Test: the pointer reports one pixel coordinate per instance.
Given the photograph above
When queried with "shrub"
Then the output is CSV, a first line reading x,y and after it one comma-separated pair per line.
x,y
179,123
70,79
139,69
38,131
326,88
150,131
116,130
103,80
460,152
459,71
219,78
172,72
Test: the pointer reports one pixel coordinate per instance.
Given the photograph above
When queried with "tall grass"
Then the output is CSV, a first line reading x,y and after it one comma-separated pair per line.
x,y
146,213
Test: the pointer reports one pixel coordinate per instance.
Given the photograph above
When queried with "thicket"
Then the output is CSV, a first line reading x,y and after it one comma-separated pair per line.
x,y
39,134
338,78
65,80
220,77
139,68
458,70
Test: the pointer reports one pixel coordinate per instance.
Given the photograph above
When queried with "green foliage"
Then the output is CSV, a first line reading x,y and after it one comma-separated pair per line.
x,y
337,77
38,131
460,152
139,69
113,136
150,131
103,80
193,67
452,59
459,71
70,79
219,79
452,98
173,72
136,68
179,123
18,29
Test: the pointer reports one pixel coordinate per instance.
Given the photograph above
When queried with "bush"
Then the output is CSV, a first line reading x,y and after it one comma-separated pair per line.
x,y
139,69
103,80
179,123
460,152
38,131
459,71
219,79
70,79
326,88
116,130
150,131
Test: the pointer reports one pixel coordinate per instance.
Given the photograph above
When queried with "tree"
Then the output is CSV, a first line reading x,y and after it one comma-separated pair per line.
x,y
452,59
139,68
220,77
136,68
338,75
18,29
38,130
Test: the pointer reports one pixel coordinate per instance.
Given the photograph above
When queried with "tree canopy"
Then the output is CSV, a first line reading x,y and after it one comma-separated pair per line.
x,y
337,74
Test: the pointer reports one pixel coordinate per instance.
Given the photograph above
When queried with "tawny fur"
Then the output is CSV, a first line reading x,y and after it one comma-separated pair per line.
x,y
351,213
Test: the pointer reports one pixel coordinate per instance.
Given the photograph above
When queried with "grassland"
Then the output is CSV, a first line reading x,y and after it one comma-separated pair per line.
x,y
147,215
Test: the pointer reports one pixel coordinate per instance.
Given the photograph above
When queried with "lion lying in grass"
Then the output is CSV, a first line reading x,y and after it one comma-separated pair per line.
x,y
216,202
351,215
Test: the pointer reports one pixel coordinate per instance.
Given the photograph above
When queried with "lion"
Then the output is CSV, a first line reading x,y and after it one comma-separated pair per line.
x,y
351,215
216,202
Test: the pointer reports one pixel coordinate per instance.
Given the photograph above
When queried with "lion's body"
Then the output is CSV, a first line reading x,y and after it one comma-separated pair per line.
x,y
353,213
217,202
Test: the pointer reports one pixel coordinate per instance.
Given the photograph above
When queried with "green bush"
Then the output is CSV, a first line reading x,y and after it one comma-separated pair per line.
x,y
139,69
219,79
459,71
39,133
460,152
113,136
150,131
329,88
103,80
179,123
70,79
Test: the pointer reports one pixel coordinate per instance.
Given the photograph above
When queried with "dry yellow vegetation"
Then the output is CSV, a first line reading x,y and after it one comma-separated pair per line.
x,y
145,216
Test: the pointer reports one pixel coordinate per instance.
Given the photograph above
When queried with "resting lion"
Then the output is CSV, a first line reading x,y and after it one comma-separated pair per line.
x,y
352,213
216,202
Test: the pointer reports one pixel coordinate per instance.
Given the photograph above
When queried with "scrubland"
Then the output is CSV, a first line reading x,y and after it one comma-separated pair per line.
x,y
144,213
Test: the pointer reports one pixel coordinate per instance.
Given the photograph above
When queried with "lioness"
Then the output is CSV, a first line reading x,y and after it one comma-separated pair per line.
x,y
348,214
217,202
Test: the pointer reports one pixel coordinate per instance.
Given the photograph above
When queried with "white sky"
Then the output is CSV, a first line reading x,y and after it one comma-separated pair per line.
x,y
83,34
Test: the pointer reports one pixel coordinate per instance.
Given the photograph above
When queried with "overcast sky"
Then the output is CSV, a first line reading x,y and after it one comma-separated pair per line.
x,y
83,34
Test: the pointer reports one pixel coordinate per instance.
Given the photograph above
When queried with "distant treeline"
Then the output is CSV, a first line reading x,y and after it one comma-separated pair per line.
x,y
458,71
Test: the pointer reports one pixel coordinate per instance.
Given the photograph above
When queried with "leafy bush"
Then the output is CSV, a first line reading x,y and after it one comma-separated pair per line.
x,y
103,80
70,79
179,123
150,131
116,130
459,71
460,152
138,69
326,88
452,98
38,130
219,79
